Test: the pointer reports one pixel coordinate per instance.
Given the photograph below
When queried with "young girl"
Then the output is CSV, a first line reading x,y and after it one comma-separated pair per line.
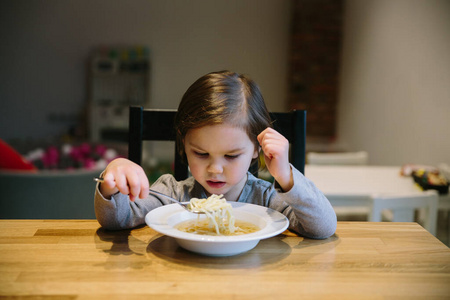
x,y
222,123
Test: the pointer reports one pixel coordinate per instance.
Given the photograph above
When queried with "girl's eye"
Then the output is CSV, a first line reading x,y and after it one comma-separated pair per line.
x,y
232,156
201,154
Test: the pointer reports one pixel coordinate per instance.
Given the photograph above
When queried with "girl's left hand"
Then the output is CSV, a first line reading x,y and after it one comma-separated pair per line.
x,y
276,155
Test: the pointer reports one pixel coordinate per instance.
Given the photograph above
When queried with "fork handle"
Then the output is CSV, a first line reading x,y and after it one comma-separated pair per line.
x,y
164,195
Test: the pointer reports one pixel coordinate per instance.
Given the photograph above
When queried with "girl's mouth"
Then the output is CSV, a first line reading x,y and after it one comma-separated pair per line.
x,y
215,184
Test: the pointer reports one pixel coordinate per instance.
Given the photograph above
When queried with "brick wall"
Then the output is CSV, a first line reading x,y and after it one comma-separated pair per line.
x,y
316,35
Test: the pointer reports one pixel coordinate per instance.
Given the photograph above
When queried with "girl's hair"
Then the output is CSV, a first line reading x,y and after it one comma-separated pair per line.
x,y
222,97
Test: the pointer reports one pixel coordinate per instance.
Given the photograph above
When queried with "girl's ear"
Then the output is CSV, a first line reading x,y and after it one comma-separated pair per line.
x,y
256,153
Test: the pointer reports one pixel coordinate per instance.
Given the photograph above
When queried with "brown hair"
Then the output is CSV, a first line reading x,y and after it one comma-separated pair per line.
x,y
222,97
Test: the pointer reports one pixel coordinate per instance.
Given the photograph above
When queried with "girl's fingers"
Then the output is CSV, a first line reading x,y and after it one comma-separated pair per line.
x,y
138,185
134,186
273,145
109,181
145,185
122,184
270,135
125,177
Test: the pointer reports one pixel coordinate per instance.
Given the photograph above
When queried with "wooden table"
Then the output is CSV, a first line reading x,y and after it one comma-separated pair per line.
x,y
76,259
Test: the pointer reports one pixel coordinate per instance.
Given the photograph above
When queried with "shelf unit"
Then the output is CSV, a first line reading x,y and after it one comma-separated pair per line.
x,y
117,78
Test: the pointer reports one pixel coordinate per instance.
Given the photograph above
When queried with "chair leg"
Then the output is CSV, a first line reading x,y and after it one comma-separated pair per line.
x,y
375,211
403,215
448,228
404,207
432,209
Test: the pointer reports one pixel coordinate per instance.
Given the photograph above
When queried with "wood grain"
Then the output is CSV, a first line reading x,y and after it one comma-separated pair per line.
x,y
77,259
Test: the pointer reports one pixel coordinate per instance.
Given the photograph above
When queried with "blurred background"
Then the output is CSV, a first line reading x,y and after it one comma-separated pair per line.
x,y
374,75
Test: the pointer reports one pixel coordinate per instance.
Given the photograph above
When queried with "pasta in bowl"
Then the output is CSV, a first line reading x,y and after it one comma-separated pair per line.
x,y
167,220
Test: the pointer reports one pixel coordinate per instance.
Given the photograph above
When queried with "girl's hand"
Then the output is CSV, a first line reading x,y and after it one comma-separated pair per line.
x,y
123,175
276,155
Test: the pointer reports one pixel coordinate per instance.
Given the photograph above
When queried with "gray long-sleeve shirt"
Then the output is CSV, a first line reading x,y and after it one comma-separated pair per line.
x,y
308,210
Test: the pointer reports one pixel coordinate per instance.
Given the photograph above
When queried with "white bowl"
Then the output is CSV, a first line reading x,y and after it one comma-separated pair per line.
x,y
163,219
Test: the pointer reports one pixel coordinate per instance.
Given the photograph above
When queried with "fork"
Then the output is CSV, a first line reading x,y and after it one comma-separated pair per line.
x,y
185,205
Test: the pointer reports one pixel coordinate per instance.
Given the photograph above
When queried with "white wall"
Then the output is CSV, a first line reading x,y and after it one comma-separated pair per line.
x,y
395,81
45,46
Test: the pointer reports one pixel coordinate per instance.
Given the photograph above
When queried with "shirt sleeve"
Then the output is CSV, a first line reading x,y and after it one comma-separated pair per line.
x,y
121,213
308,210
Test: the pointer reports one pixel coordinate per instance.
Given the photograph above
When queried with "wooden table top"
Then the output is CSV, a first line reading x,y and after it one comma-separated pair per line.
x,y
77,259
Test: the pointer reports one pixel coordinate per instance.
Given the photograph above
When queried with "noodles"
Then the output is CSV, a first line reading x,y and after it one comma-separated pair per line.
x,y
219,218
202,227
218,212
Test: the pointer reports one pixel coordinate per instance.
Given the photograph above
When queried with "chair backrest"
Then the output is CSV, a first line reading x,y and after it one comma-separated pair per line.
x,y
157,125
338,158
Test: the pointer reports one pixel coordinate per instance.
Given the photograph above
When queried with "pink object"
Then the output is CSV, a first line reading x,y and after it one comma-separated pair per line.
x,y
89,164
100,149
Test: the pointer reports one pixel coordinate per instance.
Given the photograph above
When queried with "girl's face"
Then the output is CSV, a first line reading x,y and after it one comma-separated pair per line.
x,y
219,157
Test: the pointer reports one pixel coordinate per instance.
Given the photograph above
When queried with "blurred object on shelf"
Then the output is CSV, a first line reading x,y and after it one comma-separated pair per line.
x,y
117,59
431,180
409,169
429,177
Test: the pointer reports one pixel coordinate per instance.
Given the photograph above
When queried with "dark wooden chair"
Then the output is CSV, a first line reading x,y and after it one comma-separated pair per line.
x,y
157,125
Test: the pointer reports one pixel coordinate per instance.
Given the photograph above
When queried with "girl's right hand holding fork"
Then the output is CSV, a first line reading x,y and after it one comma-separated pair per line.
x,y
124,176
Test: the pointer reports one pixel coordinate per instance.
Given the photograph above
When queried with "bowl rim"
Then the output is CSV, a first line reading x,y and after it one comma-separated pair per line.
x,y
276,223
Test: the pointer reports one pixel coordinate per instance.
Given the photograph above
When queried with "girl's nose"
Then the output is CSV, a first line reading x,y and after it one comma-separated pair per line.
x,y
215,167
